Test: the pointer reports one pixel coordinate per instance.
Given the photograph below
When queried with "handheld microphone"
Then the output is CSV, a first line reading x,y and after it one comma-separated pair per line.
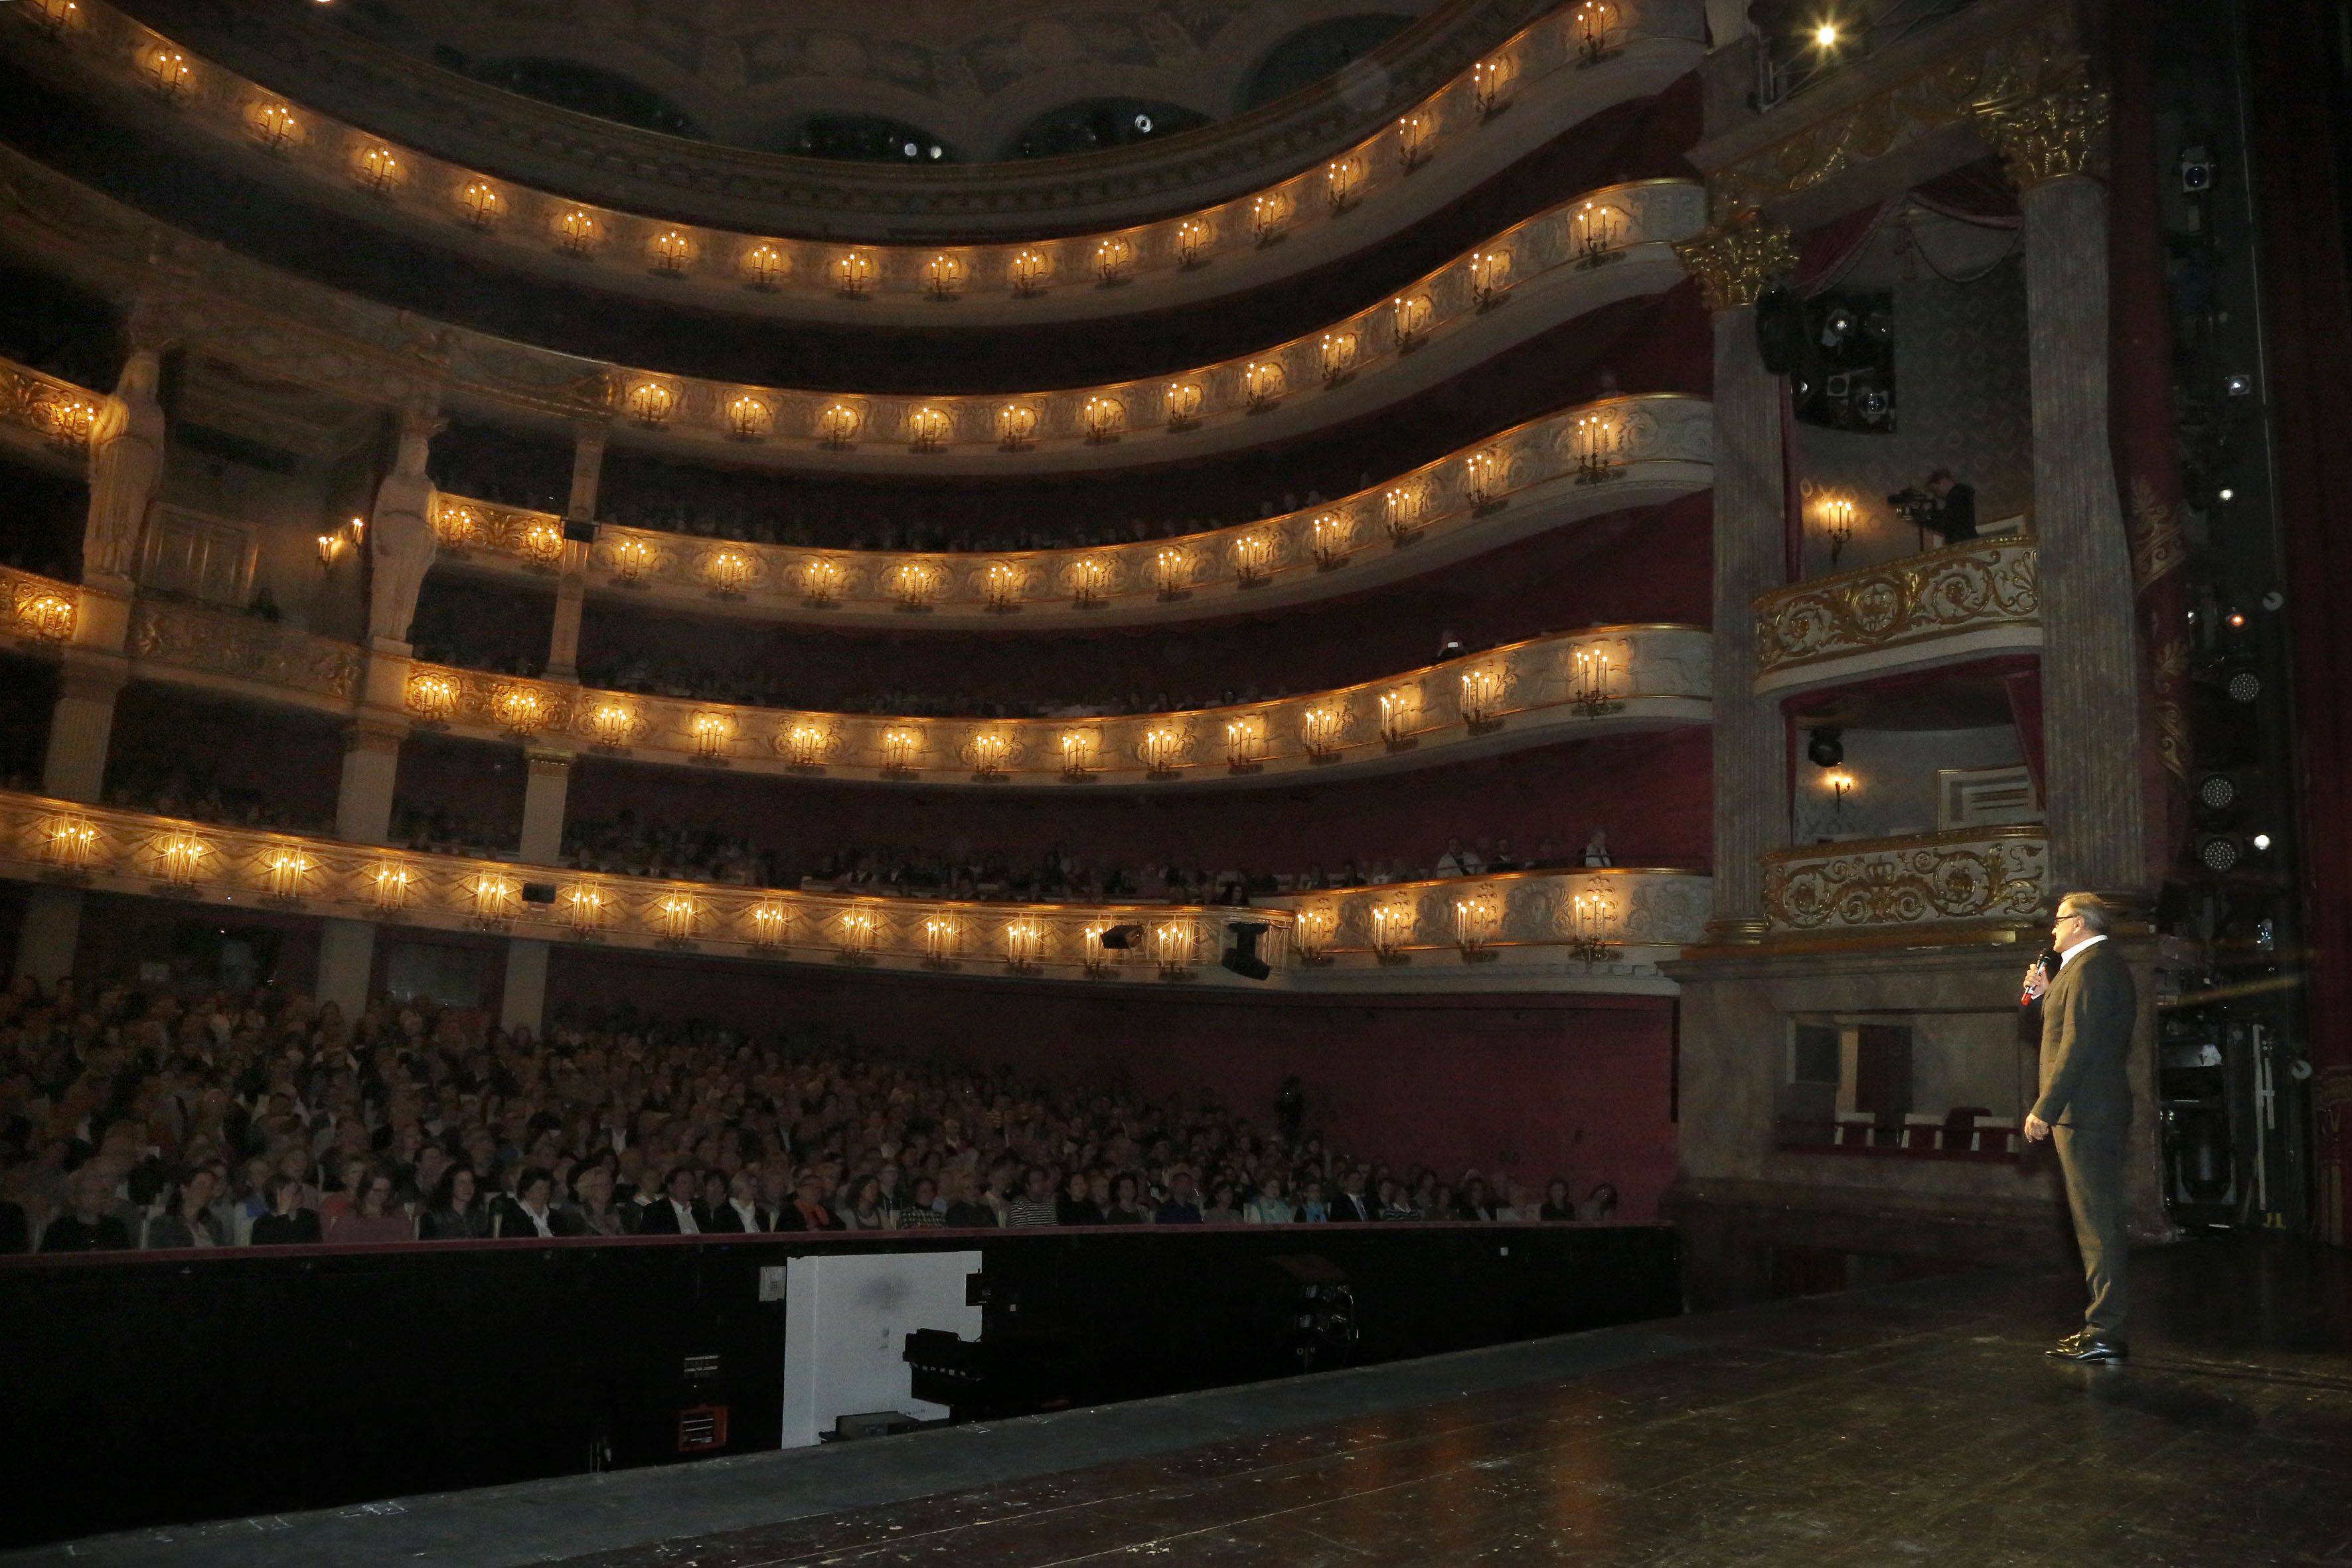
x,y
2047,966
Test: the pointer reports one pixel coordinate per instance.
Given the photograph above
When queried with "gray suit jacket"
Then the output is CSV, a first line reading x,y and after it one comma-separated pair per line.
x,y
2086,1029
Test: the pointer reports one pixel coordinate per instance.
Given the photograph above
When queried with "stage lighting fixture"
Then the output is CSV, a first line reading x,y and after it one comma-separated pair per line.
x,y
2245,686
2239,386
2217,792
2263,842
538,892
1120,937
1825,747
1242,957
2226,493
2217,851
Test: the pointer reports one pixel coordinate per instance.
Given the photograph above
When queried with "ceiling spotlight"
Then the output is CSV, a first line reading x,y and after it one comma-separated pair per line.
x,y
2226,493
1826,35
911,150
1143,124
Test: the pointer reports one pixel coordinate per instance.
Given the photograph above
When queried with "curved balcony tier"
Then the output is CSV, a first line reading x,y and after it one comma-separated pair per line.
x,y
1549,473
1472,88
1982,884
1585,930
1964,602
45,421
1601,680
1575,258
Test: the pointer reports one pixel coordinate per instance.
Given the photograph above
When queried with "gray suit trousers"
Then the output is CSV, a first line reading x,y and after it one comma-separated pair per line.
x,y
2093,1161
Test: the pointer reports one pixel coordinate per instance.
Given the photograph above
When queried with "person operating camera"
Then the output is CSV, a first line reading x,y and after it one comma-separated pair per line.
x,y
1941,506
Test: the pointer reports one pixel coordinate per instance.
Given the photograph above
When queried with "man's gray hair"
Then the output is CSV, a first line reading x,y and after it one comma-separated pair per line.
x,y
2095,914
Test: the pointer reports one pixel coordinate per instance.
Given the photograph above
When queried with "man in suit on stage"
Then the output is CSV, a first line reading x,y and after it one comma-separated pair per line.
x,y
2085,1107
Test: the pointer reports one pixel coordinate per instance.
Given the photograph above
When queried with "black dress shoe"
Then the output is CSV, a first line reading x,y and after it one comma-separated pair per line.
x,y
2088,1347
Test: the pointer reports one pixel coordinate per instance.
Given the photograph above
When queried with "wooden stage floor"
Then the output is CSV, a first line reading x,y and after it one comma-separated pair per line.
x,y
1912,1424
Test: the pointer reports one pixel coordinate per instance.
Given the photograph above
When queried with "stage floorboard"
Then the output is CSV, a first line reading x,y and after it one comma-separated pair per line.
x,y
1909,1424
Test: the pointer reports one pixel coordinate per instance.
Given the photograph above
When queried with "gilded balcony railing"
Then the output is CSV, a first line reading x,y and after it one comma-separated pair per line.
x,y
1597,457
1986,877
78,845
60,413
1600,919
1579,56
244,649
1974,597
41,612
1602,679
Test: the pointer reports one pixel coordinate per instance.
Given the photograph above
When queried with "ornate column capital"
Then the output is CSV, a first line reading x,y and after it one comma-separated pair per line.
x,y
546,762
1733,261
383,736
2051,135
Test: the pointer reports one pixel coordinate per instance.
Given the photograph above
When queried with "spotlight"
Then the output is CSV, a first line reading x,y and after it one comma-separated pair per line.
x,y
2263,841
2197,170
1826,35
1825,746
1242,957
2217,792
938,150
1143,124
2239,386
2226,493
2245,686
1120,937
2237,620
2217,851
911,150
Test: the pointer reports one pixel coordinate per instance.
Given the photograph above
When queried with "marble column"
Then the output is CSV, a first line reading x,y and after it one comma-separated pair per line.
x,y
2055,148
81,725
571,579
370,771
1732,264
542,807
523,999
346,961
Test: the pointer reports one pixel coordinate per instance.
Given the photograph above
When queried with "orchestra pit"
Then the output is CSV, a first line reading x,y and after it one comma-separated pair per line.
x,y
1247,781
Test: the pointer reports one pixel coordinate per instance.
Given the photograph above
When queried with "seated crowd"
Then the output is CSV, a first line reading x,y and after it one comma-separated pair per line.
x,y
178,793
133,1117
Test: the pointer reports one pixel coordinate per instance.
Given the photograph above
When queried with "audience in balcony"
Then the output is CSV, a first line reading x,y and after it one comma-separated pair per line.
x,y
192,795
132,1116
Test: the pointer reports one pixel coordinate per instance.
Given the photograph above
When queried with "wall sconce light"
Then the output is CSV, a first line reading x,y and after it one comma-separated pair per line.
x,y
1174,945
457,527
577,231
480,204
432,698
1400,715
65,423
1483,689
1104,418
1339,355
273,124
1312,931
389,883
377,167
585,906
669,253
771,922
542,543
522,711
1486,478
1091,578
1343,183
1016,425
943,276
1415,132
1171,572
1596,235
651,403
1592,24
613,724
631,559
1196,237
820,583
1327,538
749,418
988,750
1270,217
854,933
837,426
46,617
927,428
853,275
1097,958
1840,785
68,841
1393,924
1490,83
284,872
763,267
713,736
942,938
1478,919
1024,946
1113,257
999,586
1028,272
674,915
1590,916
1411,317
728,573
914,584
1598,441
1401,508
1245,743
1182,401
1322,729
1254,555
1161,751
901,745
166,71
182,856
1080,747
1263,382
1835,515
1490,276
56,18
804,746
1591,683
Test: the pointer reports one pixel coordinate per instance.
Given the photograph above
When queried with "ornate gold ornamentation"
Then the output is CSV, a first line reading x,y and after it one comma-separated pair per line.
x,y
2172,742
60,412
40,610
1733,261
241,646
1973,874
1960,588
2159,544
2052,134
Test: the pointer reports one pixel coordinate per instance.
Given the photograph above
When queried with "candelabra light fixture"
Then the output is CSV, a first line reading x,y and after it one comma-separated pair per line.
x,y
1263,383
1171,572
329,546
1592,26
1270,217
915,584
1598,441
432,698
1322,731
1339,356
542,543
670,252
1024,946
942,941
577,231
1028,272
749,417
675,915
584,907
804,744
494,897
713,737
1161,751
377,167
1016,425
651,403
771,922
1174,945
1196,237
1478,920
902,746
837,426
820,582
1312,931
1104,418
1253,557
631,559
613,724
1399,716
1484,688
56,18
1113,257
1327,538
927,428
1392,925
854,933
1839,784
1401,508
1182,400
65,423
1596,235
1245,743
167,71
1343,183
1591,918
1081,747
521,711
1592,679
1090,579
944,274
1415,135
181,858
1836,517
1490,277
1486,478
1490,83
46,617
764,267
728,573
1001,583
273,124
68,842
390,883
1097,958
853,275
988,750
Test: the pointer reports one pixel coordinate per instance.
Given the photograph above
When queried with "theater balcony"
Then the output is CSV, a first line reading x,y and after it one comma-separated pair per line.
x,y
1976,884
1963,603
1450,102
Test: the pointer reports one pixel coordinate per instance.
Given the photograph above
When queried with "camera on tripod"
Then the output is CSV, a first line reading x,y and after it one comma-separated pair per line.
x,y
1913,505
